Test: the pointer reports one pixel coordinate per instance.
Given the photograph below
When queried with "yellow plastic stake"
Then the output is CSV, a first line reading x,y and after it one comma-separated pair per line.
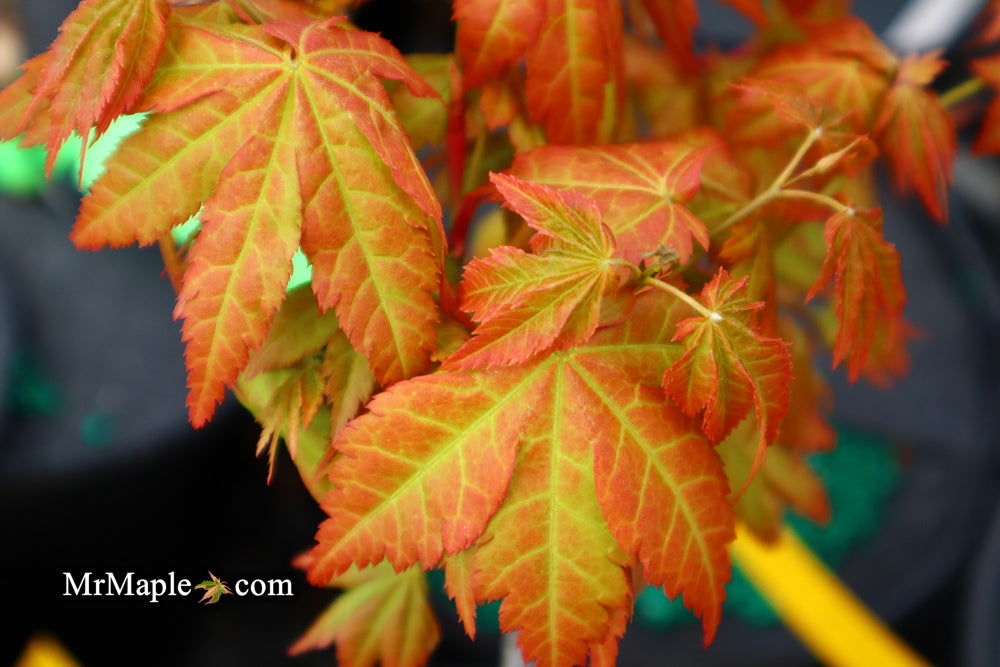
x,y
45,651
815,605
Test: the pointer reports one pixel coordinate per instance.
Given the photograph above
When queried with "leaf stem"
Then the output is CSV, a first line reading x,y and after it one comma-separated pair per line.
x,y
796,160
963,91
750,207
825,200
683,296
774,191
634,270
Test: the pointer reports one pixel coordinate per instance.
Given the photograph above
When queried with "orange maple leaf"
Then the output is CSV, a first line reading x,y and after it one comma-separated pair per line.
x,y
423,475
381,618
327,166
494,34
864,270
573,49
575,71
917,134
530,303
640,189
95,71
728,367
784,480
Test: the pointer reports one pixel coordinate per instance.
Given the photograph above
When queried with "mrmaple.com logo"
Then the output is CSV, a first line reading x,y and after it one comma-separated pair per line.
x,y
110,584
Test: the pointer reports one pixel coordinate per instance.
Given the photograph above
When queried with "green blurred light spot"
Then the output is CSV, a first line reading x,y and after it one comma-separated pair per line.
x,y
185,232
68,161
21,169
97,429
31,393
301,270
654,609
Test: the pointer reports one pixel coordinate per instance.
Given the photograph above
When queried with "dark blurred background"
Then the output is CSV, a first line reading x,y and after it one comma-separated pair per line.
x,y
100,471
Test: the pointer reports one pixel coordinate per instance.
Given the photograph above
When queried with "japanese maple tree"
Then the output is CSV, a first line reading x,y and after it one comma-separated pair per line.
x,y
567,283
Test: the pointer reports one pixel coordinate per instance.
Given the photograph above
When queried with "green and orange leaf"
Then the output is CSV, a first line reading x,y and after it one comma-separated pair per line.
x,y
305,365
640,189
382,618
842,83
560,579
728,366
917,134
96,70
784,480
458,571
574,69
214,589
529,303
864,270
423,474
435,455
328,167
298,331
15,100
493,35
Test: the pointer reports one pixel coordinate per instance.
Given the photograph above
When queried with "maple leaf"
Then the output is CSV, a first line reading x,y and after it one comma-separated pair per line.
x,y
640,189
605,654
494,34
728,367
529,303
15,100
106,53
561,579
298,331
843,82
459,570
382,618
349,381
864,270
214,589
850,36
917,134
311,364
425,119
665,95
326,166
266,397
783,479
423,474
575,70
294,403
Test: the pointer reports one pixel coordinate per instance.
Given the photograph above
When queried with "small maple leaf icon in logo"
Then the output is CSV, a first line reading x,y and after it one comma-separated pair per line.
x,y
214,589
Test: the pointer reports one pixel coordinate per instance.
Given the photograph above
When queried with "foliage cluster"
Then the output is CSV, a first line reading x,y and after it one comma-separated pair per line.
x,y
557,400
